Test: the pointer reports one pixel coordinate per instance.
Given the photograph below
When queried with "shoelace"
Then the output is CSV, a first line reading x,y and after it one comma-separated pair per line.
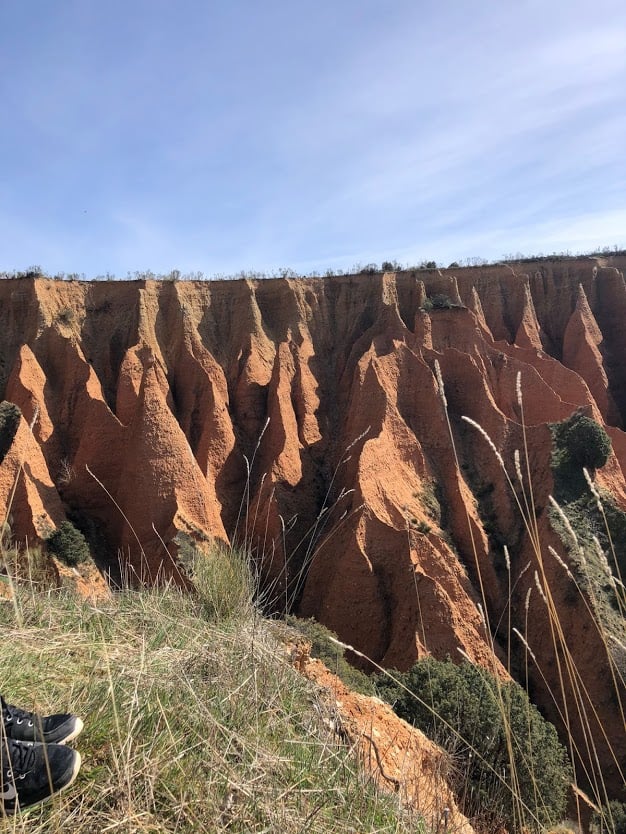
x,y
22,758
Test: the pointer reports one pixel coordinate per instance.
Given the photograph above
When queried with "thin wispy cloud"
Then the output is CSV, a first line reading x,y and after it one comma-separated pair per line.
x,y
245,135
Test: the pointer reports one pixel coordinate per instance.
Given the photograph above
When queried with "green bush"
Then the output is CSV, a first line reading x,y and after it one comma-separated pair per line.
x,y
442,302
9,423
461,708
582,440
439,301
588,522
66,315
576,443
68,544
613,819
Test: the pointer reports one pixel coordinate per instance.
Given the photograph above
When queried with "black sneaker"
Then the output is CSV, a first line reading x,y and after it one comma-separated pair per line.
x,y
21,725
33,772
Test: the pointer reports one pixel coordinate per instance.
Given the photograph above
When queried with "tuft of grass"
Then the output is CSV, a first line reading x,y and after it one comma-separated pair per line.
x,y
429,500
66,315
221,578
194,719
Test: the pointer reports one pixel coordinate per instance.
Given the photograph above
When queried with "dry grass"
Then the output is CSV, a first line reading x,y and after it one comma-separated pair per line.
x,y
194,719
572,700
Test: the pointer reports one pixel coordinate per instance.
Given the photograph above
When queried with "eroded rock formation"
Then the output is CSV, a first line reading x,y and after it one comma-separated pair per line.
x,y
306,417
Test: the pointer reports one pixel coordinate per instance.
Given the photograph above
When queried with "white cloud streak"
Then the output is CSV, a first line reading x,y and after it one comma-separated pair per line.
x,y
230,139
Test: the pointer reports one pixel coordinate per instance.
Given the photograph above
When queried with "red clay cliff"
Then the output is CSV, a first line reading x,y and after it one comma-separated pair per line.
x,y
306,415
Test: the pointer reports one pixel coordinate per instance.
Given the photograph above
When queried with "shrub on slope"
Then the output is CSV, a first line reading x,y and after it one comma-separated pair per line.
x,y
485,724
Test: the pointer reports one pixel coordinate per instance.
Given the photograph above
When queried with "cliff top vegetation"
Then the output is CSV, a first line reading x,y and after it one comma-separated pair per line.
x,y
37,271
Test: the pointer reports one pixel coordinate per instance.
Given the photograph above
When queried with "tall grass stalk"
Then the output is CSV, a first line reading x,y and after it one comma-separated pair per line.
x,y
619,588
298,557
519,808
7,514
528,516
567,671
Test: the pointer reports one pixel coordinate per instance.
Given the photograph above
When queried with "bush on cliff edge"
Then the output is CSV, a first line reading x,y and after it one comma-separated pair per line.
x,y
577,442
68,544
462,708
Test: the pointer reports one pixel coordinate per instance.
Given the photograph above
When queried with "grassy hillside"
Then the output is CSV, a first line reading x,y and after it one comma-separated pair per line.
x,y
194,719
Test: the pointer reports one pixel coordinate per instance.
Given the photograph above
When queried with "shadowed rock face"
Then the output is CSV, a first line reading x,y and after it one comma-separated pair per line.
x,y
151,397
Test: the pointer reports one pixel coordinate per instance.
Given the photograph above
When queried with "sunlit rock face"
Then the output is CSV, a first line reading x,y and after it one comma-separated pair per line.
x,y
305,418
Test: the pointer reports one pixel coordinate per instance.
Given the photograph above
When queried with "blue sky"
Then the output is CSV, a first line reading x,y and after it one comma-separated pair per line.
x,y
245,134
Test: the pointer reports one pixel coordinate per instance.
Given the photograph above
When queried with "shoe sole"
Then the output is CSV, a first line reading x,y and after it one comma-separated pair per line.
x,y
77,763
76,731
